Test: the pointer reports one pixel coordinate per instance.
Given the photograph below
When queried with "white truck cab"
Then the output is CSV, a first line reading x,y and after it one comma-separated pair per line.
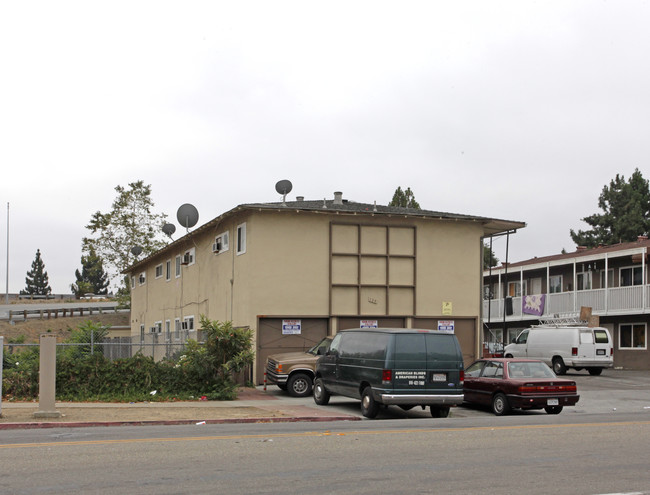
x,y
565,346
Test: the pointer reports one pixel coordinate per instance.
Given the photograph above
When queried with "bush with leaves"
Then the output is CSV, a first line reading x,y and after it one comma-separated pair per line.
x,y
202,370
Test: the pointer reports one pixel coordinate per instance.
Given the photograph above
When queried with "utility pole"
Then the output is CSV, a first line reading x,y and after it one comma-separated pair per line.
x,y
7,281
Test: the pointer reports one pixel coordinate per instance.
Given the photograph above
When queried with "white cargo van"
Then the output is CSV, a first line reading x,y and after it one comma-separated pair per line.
x,y
565,347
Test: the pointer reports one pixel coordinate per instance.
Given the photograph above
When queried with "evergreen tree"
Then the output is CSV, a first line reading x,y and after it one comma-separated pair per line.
x,y
92,278
36,282
626,207
404,199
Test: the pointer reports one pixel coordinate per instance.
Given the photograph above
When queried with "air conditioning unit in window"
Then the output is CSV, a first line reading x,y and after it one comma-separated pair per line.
x,y
216,247
185,260
152,330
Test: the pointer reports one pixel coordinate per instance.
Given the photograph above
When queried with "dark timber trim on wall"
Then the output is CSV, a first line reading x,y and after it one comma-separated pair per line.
x,y
359,255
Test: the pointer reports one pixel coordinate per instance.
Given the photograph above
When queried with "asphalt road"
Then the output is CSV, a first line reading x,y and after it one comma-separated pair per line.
x,y
599,449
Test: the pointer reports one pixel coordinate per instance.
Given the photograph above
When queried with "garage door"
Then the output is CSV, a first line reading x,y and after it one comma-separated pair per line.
x,y
271,340
381,322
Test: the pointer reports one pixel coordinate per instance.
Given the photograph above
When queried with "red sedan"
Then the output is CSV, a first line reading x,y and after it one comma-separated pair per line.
x,y
505,384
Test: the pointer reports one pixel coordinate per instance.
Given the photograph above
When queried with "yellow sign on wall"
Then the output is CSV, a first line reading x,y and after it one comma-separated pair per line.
x,y
447,308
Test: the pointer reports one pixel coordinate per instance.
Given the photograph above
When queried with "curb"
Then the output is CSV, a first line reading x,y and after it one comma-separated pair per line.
x,y
84,424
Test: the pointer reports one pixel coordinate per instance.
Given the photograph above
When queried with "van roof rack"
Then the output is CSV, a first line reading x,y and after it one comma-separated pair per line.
x,y
561,320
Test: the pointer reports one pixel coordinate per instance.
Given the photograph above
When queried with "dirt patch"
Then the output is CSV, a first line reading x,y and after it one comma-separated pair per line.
x,y
32,328
134,412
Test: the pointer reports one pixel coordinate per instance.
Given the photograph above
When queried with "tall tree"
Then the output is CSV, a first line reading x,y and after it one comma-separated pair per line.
x,y
129,223
489,259
92,277
37,281
626,213
404,199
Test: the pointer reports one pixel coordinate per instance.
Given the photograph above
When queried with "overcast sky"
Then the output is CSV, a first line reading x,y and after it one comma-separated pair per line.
x,y
517,110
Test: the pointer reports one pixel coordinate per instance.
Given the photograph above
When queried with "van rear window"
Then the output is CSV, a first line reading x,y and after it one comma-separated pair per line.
x,y
601,337
410,348
441,347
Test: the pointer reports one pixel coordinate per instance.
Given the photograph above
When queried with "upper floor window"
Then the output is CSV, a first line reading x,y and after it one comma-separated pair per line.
x,y
555,284
159,271
606,278
584,281
188,257
221,243
142,278
133,282
631,275
241,238
168,330
514,289
178,266
168,270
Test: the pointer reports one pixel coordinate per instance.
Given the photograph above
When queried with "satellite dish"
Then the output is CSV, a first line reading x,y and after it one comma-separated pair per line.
x,y
136,250
168,229
187,215
284,187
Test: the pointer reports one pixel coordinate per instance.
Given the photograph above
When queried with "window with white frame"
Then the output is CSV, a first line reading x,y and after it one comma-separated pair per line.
x,y
133,282
631,275
142,278
189,257
514,289
159,271
177,329
241,238
632,336
168,270
583,281
555,284
142,333
178,266
606,274
221,243
188,323
168,330
157,327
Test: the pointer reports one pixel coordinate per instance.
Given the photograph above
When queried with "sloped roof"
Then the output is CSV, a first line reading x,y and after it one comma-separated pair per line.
x,y
580,252
491,226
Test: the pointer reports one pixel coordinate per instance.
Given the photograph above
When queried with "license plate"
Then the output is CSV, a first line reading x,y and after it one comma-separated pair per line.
x,y
439,377
553,402
600,352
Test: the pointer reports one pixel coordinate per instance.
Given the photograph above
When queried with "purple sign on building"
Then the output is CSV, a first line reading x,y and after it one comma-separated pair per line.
x,y
533,305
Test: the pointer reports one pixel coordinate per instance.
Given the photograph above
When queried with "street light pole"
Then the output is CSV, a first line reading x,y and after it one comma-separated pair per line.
x,y
7,281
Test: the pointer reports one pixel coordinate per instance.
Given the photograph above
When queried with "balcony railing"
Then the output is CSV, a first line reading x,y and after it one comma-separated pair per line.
x,y
603,302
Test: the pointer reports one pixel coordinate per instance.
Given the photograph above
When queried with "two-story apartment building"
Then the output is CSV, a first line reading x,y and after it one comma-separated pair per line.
x,y
611,280
297,271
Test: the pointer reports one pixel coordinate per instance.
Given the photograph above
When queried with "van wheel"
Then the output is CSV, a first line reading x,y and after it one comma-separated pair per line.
x,y
439,412
553,409
369,408
595,371
321,395
508,355
500,405
558,366
299,385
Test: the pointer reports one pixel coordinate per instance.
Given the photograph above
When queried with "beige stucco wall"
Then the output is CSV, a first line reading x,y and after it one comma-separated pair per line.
x,y
285,270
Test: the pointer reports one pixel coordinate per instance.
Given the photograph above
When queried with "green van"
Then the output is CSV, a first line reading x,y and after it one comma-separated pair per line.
x,y
404,367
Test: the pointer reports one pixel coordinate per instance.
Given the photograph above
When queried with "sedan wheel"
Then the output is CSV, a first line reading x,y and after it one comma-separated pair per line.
x,y
500,405
553,409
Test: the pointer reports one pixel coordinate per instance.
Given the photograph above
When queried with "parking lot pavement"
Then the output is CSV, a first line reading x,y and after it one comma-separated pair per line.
x,y
615,391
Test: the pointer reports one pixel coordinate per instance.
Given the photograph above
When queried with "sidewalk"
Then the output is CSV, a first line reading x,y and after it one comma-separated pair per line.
x,y
251,406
